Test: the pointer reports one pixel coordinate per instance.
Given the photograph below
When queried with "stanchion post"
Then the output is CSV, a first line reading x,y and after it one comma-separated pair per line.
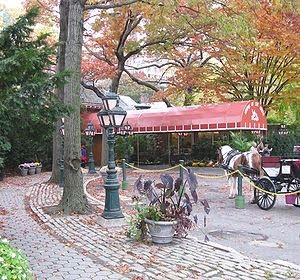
x,y
240,199
181,162
124,183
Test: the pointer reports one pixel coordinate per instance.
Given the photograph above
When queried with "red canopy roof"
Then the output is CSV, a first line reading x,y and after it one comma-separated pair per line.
x,y
245,115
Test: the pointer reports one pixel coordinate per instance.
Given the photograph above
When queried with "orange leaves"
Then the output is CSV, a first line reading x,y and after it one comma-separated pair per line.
x,y
95,69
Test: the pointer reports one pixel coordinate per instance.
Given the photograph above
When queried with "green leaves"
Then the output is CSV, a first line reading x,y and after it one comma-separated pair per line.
x,y
240,143
29,107
13,264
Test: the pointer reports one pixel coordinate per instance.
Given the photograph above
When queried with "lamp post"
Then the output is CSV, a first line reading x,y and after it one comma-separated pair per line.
x,y
90,133
180,142
283,130
111,118
126,130
62,134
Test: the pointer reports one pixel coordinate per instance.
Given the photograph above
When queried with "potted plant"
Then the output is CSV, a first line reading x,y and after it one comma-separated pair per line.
x,y
168,210
24,167
38,167
32,168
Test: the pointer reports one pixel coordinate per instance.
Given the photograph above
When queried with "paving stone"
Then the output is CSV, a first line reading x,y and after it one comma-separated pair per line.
x,y
93,252
211,273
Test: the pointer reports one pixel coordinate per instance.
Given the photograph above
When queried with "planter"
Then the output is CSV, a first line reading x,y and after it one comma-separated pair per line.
x,y
290,198
31,170
162,232
24,171
38,169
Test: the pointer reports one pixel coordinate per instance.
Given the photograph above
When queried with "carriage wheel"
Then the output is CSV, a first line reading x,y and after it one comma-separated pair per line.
x,y
295,186
264,200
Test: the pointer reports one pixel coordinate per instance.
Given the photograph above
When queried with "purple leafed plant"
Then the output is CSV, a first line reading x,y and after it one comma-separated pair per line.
x,y
172,200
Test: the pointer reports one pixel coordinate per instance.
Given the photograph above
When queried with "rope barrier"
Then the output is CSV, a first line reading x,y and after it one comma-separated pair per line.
x,y
211,176
156,170
216,177
265,191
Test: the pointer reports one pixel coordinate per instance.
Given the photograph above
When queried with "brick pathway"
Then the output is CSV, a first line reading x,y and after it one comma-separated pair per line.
x,y
76,247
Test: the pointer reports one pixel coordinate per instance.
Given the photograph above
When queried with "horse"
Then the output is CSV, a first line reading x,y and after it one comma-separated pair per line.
x,y
230,160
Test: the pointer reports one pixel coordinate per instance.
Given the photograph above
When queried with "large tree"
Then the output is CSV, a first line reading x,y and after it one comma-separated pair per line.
x,y
258,56
70,52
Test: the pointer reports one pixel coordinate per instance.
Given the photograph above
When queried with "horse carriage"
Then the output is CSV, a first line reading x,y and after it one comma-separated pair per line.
x,y
281,176
272,176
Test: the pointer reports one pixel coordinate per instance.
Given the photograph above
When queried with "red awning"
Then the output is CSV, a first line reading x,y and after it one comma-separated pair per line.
x,y
245,115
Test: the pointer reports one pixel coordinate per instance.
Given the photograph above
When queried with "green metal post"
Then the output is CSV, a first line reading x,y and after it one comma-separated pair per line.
x,y
240,199
181,162
91,158
112,208
124,183
126,152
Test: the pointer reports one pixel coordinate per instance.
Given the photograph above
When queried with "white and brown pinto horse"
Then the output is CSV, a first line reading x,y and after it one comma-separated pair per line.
x,y
230,159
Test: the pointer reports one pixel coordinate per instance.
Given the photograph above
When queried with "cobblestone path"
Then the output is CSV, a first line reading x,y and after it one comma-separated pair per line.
x,y
86,250
49,258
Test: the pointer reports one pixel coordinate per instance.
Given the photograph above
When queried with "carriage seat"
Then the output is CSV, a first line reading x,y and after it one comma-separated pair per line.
x,y
270,162
271,165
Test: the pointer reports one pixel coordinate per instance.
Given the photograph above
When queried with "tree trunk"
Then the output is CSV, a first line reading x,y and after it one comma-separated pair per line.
x,y
63,34
74,199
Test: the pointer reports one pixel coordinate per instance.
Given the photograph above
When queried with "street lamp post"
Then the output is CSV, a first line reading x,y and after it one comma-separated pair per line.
x,y
283,130
62,134
126,130
90,133
111,118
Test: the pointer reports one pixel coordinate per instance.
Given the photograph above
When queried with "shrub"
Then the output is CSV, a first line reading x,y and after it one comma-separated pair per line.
x,y
13,265
204,150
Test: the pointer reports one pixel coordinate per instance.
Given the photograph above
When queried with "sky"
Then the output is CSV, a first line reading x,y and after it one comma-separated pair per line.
x,y
11,3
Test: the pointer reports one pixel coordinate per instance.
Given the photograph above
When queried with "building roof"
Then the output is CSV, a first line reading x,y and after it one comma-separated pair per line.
x,y
91,100
244,115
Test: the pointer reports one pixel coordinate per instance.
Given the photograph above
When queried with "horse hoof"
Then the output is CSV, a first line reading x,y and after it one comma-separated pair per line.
x,y
231,197
253,201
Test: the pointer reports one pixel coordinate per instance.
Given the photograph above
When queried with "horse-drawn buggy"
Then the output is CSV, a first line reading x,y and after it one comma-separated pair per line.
x,y
282,176
272,176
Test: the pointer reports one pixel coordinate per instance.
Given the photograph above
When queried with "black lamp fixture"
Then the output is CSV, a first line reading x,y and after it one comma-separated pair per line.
x,y
126,130
90,133
111,118
283,130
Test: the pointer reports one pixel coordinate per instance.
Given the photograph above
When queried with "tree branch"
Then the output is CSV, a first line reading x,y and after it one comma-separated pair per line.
x,y
138,50
152,65
93,88
140,82
109,6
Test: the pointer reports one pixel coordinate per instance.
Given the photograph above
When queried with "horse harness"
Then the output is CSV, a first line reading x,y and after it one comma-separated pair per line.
x,y
230,155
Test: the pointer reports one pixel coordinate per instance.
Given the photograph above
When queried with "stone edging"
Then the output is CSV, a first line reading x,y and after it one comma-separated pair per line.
x,y
187,258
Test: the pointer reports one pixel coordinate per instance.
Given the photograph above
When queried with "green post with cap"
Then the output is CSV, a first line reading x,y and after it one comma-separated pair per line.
x,y
240,199
124,183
